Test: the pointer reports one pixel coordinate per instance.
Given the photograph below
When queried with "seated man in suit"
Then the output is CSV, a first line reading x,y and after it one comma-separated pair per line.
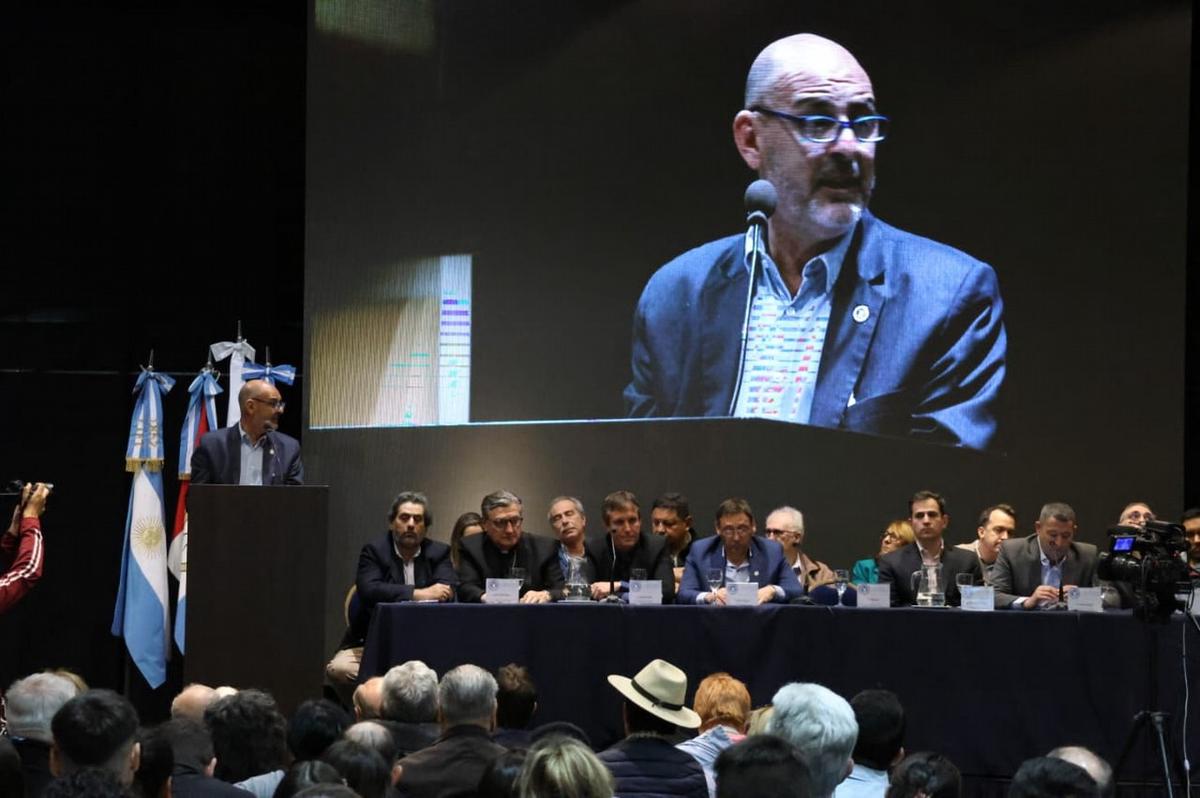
x,y
612,558
401,565
253,451
1035,572
929,519
504,546
996,525
737,556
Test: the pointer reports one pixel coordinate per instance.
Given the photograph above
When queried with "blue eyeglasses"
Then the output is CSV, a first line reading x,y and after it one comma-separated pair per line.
x,y
822,129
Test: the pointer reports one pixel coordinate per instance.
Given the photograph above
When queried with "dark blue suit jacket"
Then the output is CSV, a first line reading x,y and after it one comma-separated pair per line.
x,y
767,567
927,360
218,459
380,578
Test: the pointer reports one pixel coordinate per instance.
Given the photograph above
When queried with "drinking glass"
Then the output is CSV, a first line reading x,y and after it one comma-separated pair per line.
x,y
840,578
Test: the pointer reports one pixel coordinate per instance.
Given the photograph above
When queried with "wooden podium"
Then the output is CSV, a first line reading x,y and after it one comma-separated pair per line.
x,y
256,589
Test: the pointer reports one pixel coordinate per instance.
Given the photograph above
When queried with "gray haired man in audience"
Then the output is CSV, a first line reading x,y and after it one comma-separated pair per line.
x,y
821,725
31,704
409,705
456,762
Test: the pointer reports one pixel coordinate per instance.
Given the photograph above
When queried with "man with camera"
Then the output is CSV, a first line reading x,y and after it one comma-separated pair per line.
x,y
21,548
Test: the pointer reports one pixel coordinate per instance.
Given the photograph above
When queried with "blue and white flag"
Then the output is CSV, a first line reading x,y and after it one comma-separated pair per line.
x,y
284,374
141,612
238,352
201,418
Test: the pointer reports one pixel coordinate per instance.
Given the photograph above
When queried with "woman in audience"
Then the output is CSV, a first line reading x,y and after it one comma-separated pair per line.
x,y
898,534
723,704
467,524
925,775
563,767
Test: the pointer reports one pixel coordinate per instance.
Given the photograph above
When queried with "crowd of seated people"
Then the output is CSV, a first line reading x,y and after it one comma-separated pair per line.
x,y
470,733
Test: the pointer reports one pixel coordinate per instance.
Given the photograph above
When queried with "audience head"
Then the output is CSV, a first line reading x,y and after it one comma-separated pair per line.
x,y
1051,777
323,790
192,701
568,521
467,695
31,703
671,515
563,728
97,729
1136,514
880,719
785,525
302,775
368,699
897,535
928,516
81,686
191,745
410,693
654,699
315,725
559,766
722,700
503,516
377,737
499,779
86,783
516,697
157,761
759,718
1056,529
364,770
622,518
820,723
760,766
925,775
996,524
1096,767
735,525
249,735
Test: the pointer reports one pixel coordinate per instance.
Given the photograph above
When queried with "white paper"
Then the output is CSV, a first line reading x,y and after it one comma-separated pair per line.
x,y
1085,599
741,594
875,595
978,598
503,591
645,591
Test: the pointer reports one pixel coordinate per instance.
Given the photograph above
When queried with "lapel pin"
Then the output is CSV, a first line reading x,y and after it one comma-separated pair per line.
x,y
860,313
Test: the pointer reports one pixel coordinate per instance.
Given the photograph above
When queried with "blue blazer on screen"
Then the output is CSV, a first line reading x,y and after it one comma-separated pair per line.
x,y
217,459
767,567
916,338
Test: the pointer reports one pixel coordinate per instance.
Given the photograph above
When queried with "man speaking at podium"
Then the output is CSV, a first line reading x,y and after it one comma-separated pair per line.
x,y
253,451
847,322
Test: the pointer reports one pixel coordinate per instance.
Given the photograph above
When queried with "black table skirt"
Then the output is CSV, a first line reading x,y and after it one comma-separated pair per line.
x,y
989,690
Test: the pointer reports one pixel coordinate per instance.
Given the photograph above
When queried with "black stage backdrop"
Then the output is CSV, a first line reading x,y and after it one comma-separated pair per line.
x,y
154,194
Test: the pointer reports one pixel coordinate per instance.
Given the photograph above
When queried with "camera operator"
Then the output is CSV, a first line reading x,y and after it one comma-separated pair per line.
x,y
21,548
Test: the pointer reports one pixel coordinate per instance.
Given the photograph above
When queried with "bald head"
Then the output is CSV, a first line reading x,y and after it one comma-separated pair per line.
x,y
1096,767
368,698
192,701
805,57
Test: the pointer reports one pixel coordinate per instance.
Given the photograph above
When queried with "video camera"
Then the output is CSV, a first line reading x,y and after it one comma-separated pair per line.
x,y
1151,560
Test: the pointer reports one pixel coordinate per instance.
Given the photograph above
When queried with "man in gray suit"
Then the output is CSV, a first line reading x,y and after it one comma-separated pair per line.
x,y
1035,572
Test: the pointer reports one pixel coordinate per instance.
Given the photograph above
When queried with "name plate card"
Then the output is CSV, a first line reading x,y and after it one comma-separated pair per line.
x,y
503,591
876,596
978,598
645,591
1085,599
741,594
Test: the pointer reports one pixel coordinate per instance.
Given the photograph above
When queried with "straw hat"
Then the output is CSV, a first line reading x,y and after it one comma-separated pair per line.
x,y
659,688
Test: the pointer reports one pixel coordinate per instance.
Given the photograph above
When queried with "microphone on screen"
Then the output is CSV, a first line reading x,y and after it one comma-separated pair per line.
x,y
760,200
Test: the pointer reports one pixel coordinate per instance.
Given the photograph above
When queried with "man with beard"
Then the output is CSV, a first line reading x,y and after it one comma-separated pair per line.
x,y
614,557
853,324
402,565
253,451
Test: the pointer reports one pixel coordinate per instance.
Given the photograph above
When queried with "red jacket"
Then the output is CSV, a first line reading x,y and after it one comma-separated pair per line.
x,y
26,568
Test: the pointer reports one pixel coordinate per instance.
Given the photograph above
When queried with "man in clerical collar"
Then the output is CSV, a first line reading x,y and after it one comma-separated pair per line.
x,y
614,557
1035,572
671,517
735,554
929,519
996,525
503,547
785,525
